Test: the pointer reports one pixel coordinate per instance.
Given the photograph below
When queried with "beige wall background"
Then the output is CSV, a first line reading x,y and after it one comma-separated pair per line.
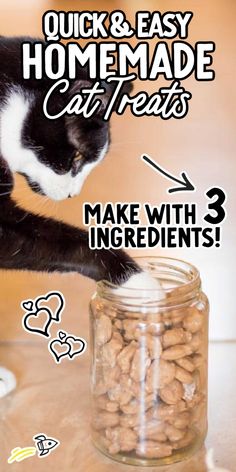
x,y
202,144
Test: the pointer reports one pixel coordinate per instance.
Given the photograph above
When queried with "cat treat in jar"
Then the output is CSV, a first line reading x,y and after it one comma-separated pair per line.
x,y
149,366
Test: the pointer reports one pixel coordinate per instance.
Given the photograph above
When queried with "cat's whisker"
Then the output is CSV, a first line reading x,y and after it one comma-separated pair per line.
x,y
36,202
30,201
44,205
5,193
30,196
55,207
21,186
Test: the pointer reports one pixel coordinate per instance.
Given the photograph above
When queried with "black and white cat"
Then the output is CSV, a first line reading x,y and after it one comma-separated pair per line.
x,y
55,156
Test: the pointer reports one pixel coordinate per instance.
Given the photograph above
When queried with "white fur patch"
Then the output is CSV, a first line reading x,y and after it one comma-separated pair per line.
x,y
143,281
7,381
142,285
21,159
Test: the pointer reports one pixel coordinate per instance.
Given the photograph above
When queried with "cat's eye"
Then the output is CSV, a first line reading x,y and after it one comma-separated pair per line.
x,y
77,163
78,157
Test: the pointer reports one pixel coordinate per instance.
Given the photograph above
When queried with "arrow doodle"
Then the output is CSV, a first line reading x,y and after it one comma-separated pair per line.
x,y
185,183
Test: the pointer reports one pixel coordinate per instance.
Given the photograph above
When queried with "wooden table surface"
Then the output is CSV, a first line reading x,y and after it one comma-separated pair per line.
x,y
54,399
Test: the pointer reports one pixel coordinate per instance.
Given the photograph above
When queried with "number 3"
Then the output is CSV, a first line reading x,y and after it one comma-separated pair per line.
x,y
216,206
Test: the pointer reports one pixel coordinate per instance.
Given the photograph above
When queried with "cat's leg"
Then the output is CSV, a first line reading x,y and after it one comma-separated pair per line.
x,y
32,242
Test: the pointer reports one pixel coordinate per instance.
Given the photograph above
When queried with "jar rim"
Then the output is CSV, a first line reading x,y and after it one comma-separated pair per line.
x,y
189,278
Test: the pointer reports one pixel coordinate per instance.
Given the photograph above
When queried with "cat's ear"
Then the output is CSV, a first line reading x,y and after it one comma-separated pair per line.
x,y
73,121
110,87
78,85
127,87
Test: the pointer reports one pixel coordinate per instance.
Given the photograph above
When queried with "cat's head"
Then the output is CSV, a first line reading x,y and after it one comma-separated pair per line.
x,y
65,149
57,155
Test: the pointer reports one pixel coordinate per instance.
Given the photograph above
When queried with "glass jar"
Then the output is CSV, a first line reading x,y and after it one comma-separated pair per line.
x,y
149,366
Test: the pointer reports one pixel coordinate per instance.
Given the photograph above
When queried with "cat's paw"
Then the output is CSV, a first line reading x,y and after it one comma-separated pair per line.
x,y
7,381
143,281
142,285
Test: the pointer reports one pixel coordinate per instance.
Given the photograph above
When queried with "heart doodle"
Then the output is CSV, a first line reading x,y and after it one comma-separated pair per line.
x,y
59,349
75,349
27,305
62,334
66,345
43,316
40,302
39,309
